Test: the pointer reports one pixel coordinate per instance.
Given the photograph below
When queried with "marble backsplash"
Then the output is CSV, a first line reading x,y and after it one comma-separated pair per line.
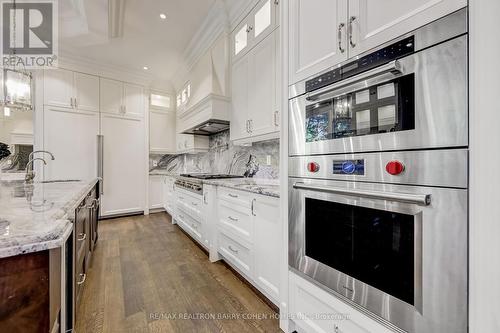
x,y
225,158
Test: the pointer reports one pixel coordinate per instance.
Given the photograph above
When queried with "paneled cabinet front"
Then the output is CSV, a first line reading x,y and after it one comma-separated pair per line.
x,y
249,237
124,99
324,33
74,90
255,109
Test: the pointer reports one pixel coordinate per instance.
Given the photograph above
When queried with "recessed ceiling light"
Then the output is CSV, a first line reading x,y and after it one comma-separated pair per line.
x,y
163,16
145,68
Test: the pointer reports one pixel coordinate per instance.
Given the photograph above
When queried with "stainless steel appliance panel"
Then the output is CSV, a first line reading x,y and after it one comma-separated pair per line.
x,y
440,252
444,168
440,105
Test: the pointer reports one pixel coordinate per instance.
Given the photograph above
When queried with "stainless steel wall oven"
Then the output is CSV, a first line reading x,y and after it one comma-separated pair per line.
x,y
378,177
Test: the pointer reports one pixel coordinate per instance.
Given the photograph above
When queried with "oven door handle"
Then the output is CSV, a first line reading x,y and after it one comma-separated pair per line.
x,y
419,199
394,67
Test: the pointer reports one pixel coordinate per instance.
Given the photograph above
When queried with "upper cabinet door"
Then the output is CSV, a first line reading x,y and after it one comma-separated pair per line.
x,y
58,88
111,96
134,100
263,20
315,28
86,92
239,100
262,104
240,40
375,22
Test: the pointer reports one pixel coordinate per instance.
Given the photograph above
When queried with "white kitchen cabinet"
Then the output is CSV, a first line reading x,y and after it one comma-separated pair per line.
x,y
155,192
376,22
162,136
71,135
133,96
249,237
58,88
68,89
124,185
111,96
86,92
255,107
324,33
267,244
169,196
263,104
190,144
239,102
124,99
314,43
259,23
307,301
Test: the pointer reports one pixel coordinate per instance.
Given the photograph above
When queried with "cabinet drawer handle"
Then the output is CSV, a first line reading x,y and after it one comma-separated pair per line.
x,y
194,203
82,237
351,21
339,36
232,219
233,250
195,226
276,118
83,278
232,195
253,204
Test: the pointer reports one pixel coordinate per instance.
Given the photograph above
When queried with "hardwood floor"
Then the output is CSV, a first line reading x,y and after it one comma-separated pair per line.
x,y
148,276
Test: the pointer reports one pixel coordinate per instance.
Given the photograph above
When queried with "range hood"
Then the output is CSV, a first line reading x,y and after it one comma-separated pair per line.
x,y
209,127
208,116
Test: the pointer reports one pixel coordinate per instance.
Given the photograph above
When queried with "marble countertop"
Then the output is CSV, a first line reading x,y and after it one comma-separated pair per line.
x,y
39,216
269,187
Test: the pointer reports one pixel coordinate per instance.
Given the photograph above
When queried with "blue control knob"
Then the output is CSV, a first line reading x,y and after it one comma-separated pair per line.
x,y
348,167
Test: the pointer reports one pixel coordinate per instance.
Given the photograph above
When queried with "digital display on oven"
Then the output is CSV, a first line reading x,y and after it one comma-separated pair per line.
x,y
349,167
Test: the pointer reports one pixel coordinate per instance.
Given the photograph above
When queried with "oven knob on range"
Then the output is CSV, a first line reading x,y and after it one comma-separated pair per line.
x,y
313,167
395,168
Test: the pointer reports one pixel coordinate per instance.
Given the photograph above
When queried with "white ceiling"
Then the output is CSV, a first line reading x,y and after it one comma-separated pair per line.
x,y
147,40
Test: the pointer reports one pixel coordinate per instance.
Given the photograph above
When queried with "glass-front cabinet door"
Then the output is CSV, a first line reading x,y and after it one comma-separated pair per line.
x,y
261,21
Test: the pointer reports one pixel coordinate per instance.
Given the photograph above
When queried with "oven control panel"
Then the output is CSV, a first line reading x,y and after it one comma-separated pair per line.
x,y
394,51
349,167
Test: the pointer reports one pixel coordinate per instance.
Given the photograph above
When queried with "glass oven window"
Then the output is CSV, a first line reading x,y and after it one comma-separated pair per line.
x,y
370,245
383,108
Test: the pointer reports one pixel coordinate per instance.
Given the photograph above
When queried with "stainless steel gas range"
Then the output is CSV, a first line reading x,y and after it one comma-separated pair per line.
x,y
378,180
193,182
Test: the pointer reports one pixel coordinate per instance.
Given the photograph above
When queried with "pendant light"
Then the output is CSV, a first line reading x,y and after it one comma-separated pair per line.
x,y
17,82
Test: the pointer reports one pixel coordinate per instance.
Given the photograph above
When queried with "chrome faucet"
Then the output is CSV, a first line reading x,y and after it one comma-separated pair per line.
x,y
41,151
30,174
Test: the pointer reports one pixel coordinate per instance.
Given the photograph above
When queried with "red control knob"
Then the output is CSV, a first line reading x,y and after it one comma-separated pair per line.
x,y
395,168
313,167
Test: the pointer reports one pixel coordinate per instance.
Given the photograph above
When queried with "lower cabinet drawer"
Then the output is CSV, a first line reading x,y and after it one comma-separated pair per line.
x,y
237,219
236,253
189,225
315,310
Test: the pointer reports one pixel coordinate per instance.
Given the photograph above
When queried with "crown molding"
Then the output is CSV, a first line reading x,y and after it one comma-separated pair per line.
x,y
78,63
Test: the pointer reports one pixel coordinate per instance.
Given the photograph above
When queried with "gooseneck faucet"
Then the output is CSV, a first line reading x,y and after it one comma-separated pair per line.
x,y
30,174
41,151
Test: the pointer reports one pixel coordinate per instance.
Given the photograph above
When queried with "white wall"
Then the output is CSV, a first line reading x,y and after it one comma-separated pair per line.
x,y
485,160
20,122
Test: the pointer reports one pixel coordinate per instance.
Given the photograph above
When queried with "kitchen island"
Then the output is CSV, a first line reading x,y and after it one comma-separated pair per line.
x,y
39,251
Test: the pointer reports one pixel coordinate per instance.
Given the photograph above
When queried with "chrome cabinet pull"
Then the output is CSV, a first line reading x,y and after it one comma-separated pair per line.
x,y
250,125
351,21
76,104
419,199
253,204
232,219
205,198
276,2
82,237
276,118
232,195
194,203
233,250
83,278
339,36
